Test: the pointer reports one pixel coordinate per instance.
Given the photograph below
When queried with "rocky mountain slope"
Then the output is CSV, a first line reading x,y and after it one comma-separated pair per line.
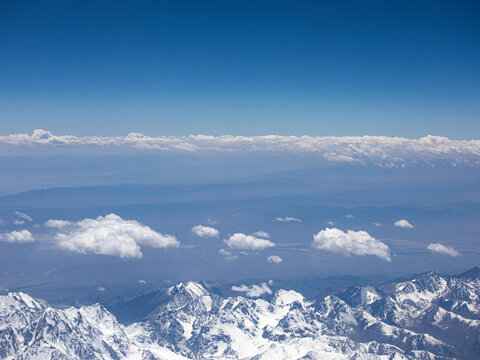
x,y
426,317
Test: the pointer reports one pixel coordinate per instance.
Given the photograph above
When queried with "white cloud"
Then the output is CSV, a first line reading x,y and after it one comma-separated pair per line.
x,y
350,243
287,219
101,288
21,237
253,290
262,234
248,242
331,223
403,223
143,282
349,216
274,259
228,254
384,150
211,221
18,222
205,231
23,216
109,235
377,224
442,249
58,224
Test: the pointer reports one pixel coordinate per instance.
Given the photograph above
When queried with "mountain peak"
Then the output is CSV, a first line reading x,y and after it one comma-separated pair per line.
x,y
24,299
187,320
471,274
360,295
193,288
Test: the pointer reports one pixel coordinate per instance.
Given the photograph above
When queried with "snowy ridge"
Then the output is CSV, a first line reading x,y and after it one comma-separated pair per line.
x,y
426,317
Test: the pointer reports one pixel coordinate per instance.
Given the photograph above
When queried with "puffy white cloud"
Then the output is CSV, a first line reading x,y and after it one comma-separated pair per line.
x,y
442,249
274,259
350,243
262,234
287,219
248,242
21,237
403,223
23,216
205,231
253,290
389,151
331,223
58,224
18,222
143,282
109,235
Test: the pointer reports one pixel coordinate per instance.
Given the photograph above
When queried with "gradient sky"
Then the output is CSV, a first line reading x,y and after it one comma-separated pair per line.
x,y
397,68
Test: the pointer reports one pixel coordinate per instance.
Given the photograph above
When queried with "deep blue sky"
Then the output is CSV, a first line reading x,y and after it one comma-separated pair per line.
x,y
406,68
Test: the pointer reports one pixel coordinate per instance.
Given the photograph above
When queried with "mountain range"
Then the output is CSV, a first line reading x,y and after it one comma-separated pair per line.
x,y
428,316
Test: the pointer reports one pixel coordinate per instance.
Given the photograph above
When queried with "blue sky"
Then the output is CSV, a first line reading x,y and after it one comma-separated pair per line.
x,y
85,74
397,68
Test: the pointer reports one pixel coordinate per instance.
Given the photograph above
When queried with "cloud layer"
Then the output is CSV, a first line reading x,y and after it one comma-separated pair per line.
x,y
20,237
379,149
109,235
442,249
287,219
350,243
248,242
205,231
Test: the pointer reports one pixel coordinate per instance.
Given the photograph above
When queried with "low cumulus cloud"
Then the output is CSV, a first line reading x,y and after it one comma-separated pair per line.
x,y
23,216
274,259
351,242
248,242
205,231
403,223
58,224
262,234
287,219
442,249
382,150
20,237
109,235
253,290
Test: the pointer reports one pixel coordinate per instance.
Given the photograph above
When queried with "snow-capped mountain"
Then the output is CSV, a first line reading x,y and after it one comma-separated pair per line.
x,y
426,317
